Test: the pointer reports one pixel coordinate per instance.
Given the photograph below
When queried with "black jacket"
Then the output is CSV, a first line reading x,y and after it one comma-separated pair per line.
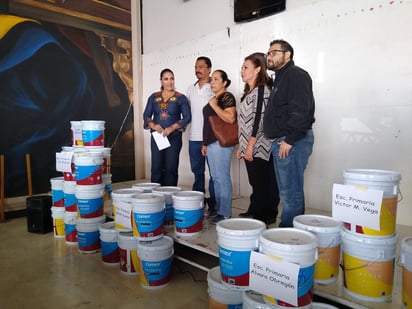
x,y
291,107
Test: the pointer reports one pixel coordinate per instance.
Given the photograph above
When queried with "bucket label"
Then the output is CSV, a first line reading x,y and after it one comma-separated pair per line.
x,y
305,289
110,252
368,278
58,227
149,224
155,273
234,266
129,261
58,198
90,208
327,265
93,137
188,221
89,241
89,174
71,232
169,214
70,202
406,288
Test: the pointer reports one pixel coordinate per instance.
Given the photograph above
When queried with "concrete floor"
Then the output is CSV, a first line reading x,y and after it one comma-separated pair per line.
x,y
41,271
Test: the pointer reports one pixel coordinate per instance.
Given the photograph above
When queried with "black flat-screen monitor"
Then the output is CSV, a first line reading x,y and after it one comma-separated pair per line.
x,y
246,10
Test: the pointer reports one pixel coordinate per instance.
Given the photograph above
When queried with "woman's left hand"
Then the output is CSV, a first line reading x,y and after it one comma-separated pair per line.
x,y
168,131
248,154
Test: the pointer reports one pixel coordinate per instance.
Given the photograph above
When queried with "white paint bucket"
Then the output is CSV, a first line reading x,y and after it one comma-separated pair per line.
x,y
58,221
93,133
88,234
254,300
109,243
327,231
168,191
70,200
129,260
236,238
122,208
368,265
386,181
294,246
148,215
220,294
90,201
70,220
156,262
88,169
71,175
105,154
406,261
188,212
76,128
57,191
147,187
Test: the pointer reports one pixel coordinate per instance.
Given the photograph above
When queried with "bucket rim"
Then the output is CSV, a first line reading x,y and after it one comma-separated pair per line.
x,y
188,195
126,192
368,239
164,243
169,190
147,197
406,244
294,244
90,220
145,185
126,235
228,227
373,175
326,224
85,188
107,226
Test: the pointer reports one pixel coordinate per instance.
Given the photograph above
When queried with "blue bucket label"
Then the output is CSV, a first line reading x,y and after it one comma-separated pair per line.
x,y
149,224
234,266
89,241
184,219
70,201
58,197
90,208
157,273
69,228
306,280
92,137
88,174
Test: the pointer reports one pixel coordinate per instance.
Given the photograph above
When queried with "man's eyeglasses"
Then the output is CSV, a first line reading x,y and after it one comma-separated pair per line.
x,y
274,51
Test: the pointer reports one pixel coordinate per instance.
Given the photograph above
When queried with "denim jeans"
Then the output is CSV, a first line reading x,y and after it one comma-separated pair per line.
x,y
197,164
289,175
219,163
165,163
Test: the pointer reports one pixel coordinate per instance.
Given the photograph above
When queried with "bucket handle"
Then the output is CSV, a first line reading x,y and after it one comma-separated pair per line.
x,y
327,247
362,266
400,196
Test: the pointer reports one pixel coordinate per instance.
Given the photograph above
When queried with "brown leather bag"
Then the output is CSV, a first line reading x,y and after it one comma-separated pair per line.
x,y
226,133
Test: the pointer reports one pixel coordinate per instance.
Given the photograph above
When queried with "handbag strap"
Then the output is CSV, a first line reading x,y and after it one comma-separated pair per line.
x,y
258,110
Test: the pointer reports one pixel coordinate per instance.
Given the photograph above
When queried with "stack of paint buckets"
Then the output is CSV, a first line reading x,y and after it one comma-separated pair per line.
x,y
368,254
83,186
237,238
406,261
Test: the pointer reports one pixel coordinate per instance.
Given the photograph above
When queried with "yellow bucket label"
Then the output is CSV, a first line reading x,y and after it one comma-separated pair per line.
x,y
387,219
327,265
368,278
407,288
59,227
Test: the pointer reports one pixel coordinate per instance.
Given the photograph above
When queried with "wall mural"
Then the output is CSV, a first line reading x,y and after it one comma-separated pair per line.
x,y
51,74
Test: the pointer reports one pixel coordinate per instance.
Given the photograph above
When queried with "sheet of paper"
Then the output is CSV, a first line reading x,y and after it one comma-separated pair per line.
x,y
162,142
64,161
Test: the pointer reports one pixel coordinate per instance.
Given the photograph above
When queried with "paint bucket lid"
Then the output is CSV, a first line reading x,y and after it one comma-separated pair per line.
x,y
91,220
57,182
317,224
146,186
240,227
288,239
368,241
220,292
372,175
108,227
188,195
125,193
406,245
147,198
254,300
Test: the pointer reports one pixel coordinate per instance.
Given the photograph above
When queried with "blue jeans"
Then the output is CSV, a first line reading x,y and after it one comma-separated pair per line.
x,y
219,164
197,164
289,175
165,163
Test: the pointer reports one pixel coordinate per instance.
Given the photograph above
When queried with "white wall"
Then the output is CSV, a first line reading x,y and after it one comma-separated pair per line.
x,y
357,52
